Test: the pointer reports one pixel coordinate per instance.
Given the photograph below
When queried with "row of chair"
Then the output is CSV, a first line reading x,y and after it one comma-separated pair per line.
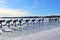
x,y
21,20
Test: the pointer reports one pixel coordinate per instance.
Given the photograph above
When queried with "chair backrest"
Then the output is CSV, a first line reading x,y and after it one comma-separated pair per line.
x,y
9,21
15,20
33,20
2,21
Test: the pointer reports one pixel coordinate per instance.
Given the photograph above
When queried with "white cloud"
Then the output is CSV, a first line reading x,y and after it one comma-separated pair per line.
x,y
12,12
3,3
6,11
1,0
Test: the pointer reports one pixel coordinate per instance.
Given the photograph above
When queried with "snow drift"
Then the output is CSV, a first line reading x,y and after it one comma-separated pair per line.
x,y
52,34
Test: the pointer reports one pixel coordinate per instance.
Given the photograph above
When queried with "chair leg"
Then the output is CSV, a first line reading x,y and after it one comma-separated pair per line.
x,y
1,25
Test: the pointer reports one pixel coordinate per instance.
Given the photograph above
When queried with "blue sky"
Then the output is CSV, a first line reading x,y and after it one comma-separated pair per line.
x,y
30,7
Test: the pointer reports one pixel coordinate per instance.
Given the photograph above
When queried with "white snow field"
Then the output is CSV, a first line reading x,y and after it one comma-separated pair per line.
x,y
53,34
47,31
